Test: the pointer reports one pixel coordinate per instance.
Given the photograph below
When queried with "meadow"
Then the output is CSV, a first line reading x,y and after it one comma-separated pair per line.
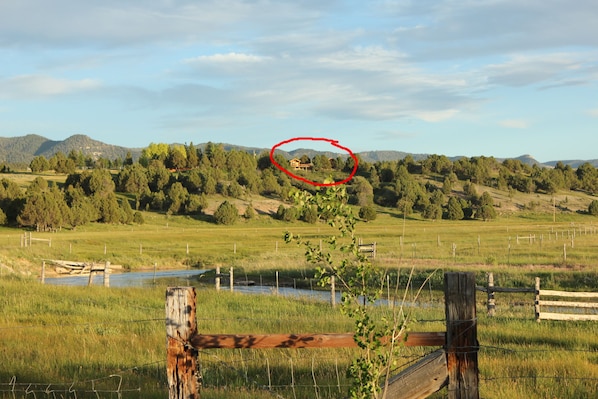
x,y
98,342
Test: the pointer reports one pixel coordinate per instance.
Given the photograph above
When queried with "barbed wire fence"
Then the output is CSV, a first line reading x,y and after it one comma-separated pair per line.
x,y
283,374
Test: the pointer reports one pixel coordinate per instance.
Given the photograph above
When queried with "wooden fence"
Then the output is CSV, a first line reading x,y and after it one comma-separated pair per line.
x,y
454,366
27,239
539,303
491,289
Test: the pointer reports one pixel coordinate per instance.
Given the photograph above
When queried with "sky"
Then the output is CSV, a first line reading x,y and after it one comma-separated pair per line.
x,y
497,78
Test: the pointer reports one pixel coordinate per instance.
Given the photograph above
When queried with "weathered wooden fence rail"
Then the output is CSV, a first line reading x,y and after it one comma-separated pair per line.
x,y
27,239
539,303
455,365
490,289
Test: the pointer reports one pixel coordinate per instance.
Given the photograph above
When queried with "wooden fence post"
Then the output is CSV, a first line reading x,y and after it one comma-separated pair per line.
x,y
461,335
217,279
537,299
332,292
43,276
90,280
181,361
491,301
107,274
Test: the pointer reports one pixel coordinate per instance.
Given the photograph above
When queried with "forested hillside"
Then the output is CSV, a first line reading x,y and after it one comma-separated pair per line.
x,y
21,150
182,179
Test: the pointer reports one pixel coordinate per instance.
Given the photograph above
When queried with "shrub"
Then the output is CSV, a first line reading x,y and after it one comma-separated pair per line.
x,y
280,212
196,203
367,213
593,208
290,214
310,215
249,212
226,213
138,218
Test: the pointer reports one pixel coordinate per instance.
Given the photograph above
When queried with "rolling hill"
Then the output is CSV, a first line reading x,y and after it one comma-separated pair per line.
x,y
21,150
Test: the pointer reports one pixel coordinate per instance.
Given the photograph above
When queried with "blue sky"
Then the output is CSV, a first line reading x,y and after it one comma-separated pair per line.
x,y
497,78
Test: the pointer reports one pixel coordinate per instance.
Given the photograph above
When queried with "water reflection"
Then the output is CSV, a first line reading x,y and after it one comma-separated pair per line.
x,y
191,277
132,279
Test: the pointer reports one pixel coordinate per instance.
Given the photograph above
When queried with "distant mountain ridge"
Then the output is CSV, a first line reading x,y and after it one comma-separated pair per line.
x,y
21,150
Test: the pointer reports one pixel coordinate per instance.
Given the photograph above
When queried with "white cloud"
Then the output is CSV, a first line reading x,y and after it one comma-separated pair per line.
x,y
114,22
436,116
225,58
522,70
593,112
514,123
448,29
32,86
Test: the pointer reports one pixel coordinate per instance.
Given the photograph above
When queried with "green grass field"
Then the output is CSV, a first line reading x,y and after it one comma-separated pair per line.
x,y
568,244
56,340
80,339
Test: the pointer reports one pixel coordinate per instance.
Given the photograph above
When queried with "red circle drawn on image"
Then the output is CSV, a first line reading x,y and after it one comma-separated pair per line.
x,y
313,183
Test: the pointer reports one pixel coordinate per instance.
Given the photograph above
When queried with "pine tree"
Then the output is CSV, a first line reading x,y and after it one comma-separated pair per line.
x,y
226,213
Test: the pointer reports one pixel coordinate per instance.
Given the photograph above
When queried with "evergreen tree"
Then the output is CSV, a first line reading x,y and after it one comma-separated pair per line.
x,y
433,211
362,191
108,208
158,176
176,158
126,212
192,156
447,186
39,164
367,213
82,209
133,179
138,218
310,215
226,213
280,212
128,159
101,183
176,197
43,210
454,209
249,212
196,203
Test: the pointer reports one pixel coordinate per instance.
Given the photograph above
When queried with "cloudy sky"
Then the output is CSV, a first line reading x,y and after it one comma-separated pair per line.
x,y
454,77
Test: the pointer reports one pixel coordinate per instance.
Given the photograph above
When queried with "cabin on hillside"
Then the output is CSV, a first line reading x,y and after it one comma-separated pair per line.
x,y
297,165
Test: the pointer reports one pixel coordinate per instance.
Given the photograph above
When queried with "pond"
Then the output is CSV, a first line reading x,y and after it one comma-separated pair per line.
x,y
192,278
130,279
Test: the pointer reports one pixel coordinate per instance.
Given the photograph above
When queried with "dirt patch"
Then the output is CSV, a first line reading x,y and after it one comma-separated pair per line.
x,y
263,206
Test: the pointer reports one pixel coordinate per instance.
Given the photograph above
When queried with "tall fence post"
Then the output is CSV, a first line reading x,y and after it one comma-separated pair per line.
x,y
90,280
107,274
537,299
491,301
461,335
332,292
181,361
217,279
